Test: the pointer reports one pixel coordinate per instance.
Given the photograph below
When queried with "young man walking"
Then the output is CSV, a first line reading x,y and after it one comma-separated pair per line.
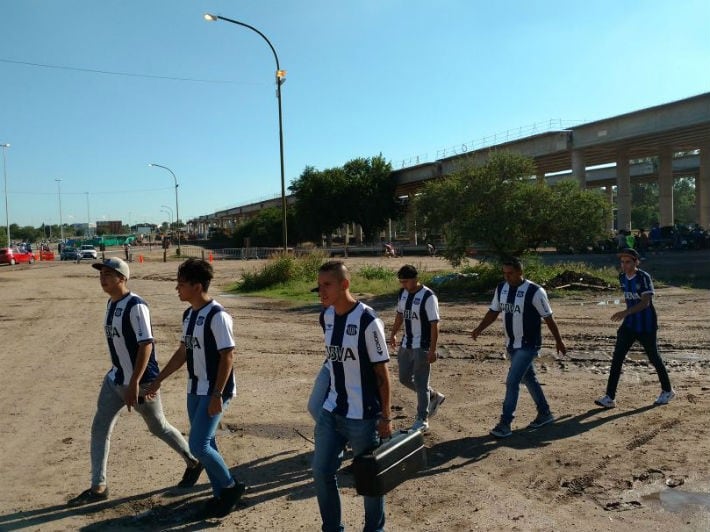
x,y
638,323
207,347
357,406
418,311
132,350
523,304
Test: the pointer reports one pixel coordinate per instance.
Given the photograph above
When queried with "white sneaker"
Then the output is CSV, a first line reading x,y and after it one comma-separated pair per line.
x,y
435,401
606,402
420,425
664,398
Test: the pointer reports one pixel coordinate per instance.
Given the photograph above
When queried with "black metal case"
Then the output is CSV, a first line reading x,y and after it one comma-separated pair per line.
x,y
390,464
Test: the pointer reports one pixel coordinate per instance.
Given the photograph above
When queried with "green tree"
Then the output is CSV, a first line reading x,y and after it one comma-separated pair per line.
x,y
321,197
362,191
371,194
264,229
645,203
499,206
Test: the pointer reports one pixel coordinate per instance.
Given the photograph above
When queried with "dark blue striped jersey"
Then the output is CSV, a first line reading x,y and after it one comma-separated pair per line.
x,y
354,343
127,325
634,288
419,310
205,332
523,307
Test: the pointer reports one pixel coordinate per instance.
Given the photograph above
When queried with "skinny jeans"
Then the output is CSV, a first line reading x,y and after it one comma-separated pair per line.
x,y
625,338
522,370
414,373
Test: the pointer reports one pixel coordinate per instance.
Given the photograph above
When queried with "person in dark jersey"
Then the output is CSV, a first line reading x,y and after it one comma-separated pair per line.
x,y
638,323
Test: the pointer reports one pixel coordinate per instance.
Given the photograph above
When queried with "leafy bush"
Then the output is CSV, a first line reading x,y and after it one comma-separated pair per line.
x,y
282,269
376,272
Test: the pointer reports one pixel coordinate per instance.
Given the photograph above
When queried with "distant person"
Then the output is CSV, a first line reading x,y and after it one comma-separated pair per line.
x,y
357,407
638,323
127,249
418,311
523,304
630,240
389,250
132,350
431,249
207,348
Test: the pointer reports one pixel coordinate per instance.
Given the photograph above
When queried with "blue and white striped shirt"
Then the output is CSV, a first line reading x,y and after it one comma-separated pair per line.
x,y
354,342
205,332
127,325
523,307
419,310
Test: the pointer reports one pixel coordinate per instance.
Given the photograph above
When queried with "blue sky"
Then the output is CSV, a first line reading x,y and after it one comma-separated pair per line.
x,y
404,78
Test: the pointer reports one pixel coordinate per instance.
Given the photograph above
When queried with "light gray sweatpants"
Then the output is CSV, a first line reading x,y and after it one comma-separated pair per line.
x,y
108,406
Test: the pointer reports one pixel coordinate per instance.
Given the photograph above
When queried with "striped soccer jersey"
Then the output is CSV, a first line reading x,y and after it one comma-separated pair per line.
x,y
522,307
205,332
354,342
419,310
634,287
127,325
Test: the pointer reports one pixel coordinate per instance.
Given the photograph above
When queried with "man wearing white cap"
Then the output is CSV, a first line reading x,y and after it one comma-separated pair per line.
x,y
134,366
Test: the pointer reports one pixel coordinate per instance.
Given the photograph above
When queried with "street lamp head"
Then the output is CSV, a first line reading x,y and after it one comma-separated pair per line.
x,y
209,17
4,145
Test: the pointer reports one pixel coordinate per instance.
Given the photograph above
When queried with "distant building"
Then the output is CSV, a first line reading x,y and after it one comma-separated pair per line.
x,y
109,227
144,229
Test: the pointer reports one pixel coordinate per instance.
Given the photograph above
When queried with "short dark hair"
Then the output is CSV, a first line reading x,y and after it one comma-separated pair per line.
x,y
195,271
407,272
514,262
336,267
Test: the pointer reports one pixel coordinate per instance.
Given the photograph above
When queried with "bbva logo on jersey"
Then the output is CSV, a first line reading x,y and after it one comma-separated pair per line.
x,y
111,332
337,353
410,314
192,342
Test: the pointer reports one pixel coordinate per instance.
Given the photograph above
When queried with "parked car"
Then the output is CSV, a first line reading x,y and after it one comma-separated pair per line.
x,y
88,251
69,253
13,255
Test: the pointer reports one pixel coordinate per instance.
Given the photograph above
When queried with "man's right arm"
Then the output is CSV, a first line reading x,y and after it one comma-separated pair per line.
x,y
489,318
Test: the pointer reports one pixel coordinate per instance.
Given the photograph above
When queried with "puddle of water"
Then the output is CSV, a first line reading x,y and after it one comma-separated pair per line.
x,y
677,501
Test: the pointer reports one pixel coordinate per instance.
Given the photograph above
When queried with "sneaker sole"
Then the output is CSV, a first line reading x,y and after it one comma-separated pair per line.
x,y
436,408
538,425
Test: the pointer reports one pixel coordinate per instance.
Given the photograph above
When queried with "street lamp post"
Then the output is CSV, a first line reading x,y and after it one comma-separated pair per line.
x,y
88,216
59,197
280,75
177,210
4,171
167,210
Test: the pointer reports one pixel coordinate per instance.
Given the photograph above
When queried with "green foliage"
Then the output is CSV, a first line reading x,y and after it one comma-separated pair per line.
x,y
263,230
645,203
282,269
377,272
498,206
362,191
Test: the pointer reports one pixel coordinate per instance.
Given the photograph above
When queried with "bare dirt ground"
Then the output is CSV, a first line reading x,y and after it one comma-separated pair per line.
x,y
636,467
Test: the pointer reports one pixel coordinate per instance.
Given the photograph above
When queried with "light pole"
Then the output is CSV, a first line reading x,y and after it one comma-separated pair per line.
x,y
280,76
59,196
177,210
167,210
4,171
88,216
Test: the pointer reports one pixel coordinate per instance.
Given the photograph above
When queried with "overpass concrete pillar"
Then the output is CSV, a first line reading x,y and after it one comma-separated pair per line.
x,y
411,221
579,168
623,191
702,187
610,198
665,186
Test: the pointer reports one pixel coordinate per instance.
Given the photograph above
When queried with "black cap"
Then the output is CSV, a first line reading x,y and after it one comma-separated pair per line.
x,y
629,252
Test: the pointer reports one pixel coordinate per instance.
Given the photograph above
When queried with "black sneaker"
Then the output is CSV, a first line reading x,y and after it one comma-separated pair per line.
x,y
209,509
190,476
87,497
229,498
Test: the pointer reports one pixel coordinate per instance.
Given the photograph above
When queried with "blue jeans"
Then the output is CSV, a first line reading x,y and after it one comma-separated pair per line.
x,y
332,432
625,338
414,373
203,443
319,392
522,370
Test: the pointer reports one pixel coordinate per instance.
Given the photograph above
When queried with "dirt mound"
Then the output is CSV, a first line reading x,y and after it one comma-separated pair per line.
x,y
569,279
